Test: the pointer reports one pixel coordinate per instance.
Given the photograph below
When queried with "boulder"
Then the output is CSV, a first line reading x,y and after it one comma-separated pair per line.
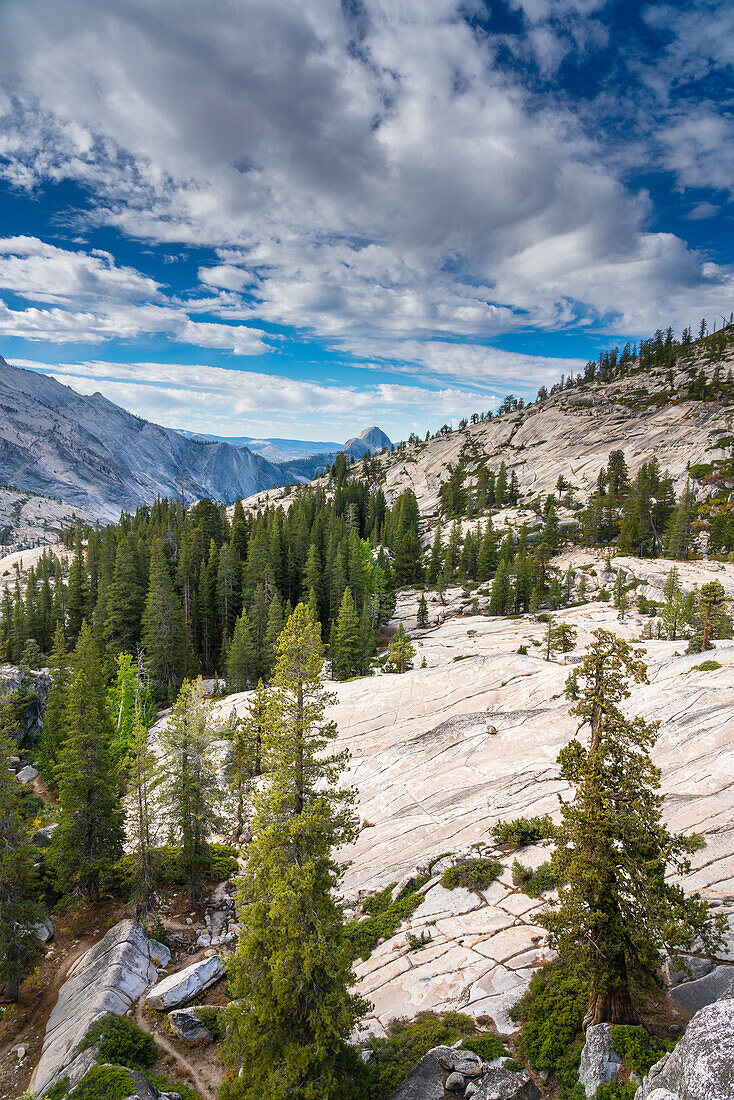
x,y
44,931
42,837
187,1027
425,1082
108,978
702,1065
176,989
600,1062
695,995
507,1084
140,1086
28,774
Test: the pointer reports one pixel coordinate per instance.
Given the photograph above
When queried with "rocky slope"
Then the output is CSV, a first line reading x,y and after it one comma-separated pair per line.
x,y
443,752
94,455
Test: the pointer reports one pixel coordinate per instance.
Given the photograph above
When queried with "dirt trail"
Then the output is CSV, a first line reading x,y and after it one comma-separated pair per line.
x,y
202,1086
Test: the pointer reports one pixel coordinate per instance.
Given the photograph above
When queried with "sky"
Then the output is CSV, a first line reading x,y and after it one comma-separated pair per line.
x,y
278,218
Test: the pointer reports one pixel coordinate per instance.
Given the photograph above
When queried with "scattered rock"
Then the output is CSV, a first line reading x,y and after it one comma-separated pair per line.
x,y
507,1084
425,1082
694,995
454,1083
28,774
184,985
187,1027
600,1062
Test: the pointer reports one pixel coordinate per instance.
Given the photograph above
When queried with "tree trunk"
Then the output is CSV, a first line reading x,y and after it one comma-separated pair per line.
x,y
609,1008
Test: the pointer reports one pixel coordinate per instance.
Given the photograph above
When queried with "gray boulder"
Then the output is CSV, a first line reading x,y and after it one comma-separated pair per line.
x,y
600,1062
176,989
108,978
42,837
425,1082
507,1084
702,1065
44,931
186,1026
695,995
28,774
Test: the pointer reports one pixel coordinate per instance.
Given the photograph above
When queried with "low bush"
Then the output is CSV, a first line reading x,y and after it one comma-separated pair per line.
x,y
104,1083
522,831
164,1085
638,1049
551,1013
487,1047
472,874
616,1090
213,1020
220,863
696,642
121,1042
406,1043
706,666
385,917
533,883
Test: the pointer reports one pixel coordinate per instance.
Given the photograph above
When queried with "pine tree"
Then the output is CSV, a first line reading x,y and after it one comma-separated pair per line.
x,y
77,592
142,783
292,1010
88,838
188,780
20,905
346,657
422,611
618,909
711,602
247,749
400,651
53,733
678,540
164,631
124,603
241,656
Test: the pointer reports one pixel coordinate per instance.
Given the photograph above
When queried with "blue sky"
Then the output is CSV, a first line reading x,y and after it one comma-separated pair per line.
x,y
275,218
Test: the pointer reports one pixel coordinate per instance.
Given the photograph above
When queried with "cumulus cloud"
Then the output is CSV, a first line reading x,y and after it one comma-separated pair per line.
x,y
373,167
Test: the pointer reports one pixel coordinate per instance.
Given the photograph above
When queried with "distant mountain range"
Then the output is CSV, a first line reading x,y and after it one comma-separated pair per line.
x,y
89,452
284,451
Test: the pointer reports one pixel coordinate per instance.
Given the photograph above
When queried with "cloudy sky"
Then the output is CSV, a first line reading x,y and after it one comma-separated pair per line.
x,y
289,218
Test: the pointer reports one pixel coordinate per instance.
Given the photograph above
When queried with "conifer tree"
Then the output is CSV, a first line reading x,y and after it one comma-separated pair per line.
x,y
188,781
247,752
77,592
618,910
88,838
241,656
501,599
272,633
346,656
53,732
291,976
124,603
400,651
422,611
142,784
164,631
20,905
711,602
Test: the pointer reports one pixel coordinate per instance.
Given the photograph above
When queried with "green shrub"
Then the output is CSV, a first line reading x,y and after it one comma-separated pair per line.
x,y
551,1013
406,1043
164,1085
706,666
638,1049
522,650
522,831
695,644
220,863
213,1020
59,1090
533,883
104,1083
486,1046
616,1090
472,874
121,1042
385,917
514,1066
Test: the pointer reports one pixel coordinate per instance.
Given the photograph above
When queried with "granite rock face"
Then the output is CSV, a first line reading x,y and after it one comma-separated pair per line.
x,y
176,989
702,1065
37,681
600,1062
108,978
187,1027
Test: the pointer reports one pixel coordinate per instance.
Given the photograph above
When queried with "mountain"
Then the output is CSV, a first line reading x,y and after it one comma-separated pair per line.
x,y
372,439
275,450
89,452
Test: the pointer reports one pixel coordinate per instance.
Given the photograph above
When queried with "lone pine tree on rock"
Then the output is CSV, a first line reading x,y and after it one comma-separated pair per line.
x,y
618,910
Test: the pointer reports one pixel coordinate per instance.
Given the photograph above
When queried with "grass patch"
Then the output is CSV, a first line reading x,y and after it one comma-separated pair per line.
x,y
472,874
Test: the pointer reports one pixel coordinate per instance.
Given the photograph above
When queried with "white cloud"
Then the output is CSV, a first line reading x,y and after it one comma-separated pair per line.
x,y
233,402
364,174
